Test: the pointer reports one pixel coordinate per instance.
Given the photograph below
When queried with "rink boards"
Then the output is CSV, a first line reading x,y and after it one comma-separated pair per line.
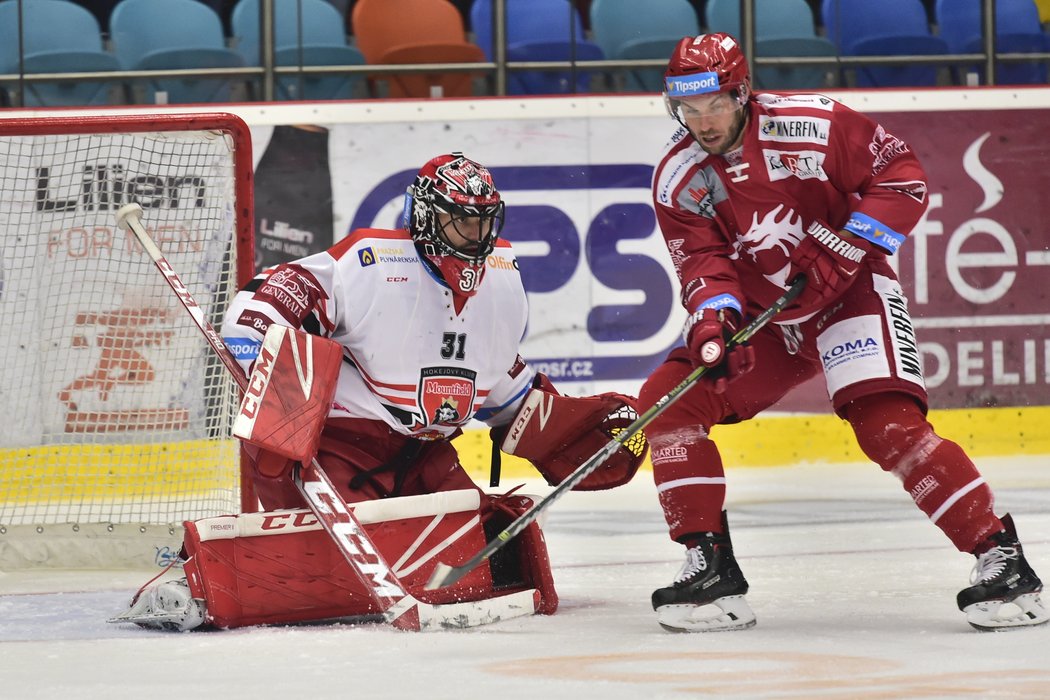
x,y
575,172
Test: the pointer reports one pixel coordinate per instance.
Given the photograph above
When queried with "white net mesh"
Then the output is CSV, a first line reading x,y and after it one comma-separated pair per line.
x,y
114,410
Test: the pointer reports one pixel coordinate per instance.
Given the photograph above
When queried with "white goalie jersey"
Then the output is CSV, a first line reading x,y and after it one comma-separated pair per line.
x,y
410,359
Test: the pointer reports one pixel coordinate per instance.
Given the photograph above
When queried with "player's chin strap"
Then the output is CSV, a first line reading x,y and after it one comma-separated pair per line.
x,y
399,608
445,575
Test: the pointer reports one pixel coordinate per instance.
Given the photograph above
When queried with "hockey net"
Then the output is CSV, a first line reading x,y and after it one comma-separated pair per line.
x,y
116,417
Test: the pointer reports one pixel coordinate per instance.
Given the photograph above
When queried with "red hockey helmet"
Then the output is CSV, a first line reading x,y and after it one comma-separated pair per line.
x,y
455,185
706,64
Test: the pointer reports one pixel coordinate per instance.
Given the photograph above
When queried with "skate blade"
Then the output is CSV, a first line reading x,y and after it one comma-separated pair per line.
x,y
181,620
153,621
726,613
996,615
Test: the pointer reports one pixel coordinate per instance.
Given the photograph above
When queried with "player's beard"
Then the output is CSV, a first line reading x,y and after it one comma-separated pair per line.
x,y
730,141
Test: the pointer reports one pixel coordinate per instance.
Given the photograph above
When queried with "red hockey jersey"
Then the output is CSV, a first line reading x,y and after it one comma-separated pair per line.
x,y
730,222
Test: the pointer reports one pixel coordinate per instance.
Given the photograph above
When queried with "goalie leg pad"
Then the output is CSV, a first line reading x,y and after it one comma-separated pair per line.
x,y
281,567
559,433
528,564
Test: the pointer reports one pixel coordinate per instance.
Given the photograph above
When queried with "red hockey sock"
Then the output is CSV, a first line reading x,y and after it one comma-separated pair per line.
x,y
687,467
690,481
936,473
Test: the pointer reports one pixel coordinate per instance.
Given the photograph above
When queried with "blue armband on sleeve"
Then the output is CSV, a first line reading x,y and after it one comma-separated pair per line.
x,y
874,231
722,301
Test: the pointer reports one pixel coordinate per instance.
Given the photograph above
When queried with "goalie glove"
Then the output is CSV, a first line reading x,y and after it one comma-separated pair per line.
x,y
289,393
559,433
829,260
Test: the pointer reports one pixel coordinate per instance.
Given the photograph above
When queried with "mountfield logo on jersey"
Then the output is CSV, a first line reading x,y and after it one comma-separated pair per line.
x,y
693,84
446,394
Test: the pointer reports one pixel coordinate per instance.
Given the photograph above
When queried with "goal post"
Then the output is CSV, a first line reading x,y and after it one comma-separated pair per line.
x,y
116,417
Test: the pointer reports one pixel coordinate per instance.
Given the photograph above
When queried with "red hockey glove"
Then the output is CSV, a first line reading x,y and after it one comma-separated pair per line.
x,y
706,333
829,260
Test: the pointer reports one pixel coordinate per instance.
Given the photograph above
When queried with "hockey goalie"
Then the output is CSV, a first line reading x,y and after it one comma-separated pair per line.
x,y
367,360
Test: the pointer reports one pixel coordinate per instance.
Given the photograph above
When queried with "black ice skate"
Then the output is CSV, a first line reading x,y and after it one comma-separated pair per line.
x,y
1005,590
708,593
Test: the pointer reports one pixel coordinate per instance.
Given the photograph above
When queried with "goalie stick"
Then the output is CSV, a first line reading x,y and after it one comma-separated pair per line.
x,y
446,575
399,608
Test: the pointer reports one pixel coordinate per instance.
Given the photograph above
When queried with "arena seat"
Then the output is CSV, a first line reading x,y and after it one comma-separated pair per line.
x,y
624,33
782,28
539,30
1017,30
58,37
169,35
317,40
415,31
885,28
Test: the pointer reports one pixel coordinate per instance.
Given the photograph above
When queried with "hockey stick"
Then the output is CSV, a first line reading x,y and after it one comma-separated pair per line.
x,y
445,575
399,608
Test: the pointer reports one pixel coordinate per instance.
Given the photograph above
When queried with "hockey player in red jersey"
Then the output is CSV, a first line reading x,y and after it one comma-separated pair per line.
x,y
753,190
429,320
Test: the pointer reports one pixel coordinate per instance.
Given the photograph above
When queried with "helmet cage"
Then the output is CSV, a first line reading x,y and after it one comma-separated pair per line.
x,y
460,189
490,222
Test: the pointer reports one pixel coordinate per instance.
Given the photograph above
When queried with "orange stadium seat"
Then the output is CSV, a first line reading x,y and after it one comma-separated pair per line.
x,y
415,31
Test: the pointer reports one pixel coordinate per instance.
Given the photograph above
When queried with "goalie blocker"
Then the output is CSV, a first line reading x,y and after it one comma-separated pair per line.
x,y
559,433
281,567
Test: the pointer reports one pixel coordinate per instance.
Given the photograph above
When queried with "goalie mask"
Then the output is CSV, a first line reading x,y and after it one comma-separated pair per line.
x,y
455,214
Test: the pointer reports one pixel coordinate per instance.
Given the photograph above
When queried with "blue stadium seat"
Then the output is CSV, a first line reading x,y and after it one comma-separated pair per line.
x,y
319,41
1017,30
782,28
624,31
169,35
58,37
538,30
887,27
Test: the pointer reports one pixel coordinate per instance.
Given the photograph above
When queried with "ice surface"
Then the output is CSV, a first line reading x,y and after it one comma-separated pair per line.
x,y
853,588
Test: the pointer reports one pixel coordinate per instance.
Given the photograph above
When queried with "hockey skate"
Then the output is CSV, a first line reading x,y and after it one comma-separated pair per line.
x,y
708,593
1005,590
166,606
